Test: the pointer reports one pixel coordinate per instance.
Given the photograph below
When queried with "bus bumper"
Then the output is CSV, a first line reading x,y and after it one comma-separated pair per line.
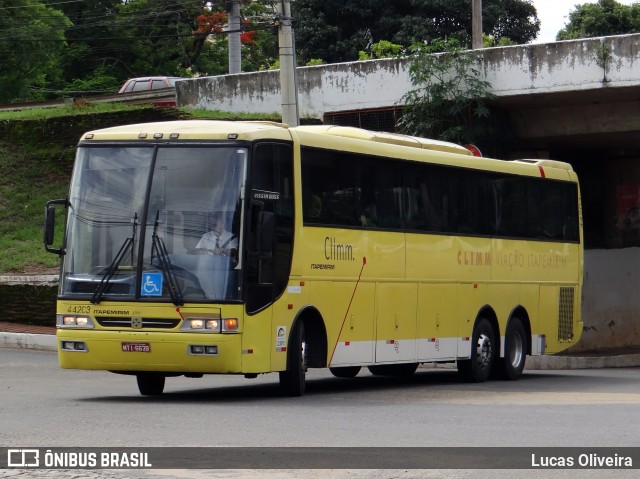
x,y
125,351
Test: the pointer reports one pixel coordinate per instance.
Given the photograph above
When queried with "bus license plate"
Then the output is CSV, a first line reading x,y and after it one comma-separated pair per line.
x,y
136,348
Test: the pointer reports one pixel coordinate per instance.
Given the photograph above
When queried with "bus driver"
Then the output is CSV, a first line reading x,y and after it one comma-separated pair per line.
x,y
219,240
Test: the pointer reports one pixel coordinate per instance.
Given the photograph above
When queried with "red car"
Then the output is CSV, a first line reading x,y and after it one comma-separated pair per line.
x,y
148,83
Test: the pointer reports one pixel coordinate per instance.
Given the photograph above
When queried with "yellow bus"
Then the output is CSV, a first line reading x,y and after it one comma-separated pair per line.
x,y
210,247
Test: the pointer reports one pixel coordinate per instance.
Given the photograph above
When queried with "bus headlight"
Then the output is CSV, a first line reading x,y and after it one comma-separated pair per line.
x,y
210,325
201,325
74,321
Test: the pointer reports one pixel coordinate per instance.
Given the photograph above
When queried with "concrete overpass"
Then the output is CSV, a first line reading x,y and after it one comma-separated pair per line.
x,y
576,101
589,82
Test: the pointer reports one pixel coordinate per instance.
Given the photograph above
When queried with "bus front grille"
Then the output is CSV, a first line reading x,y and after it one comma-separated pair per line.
x,y
119,322
565,314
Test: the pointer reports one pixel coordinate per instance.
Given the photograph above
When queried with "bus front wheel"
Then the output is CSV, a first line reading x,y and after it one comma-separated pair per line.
x,y
150,384
292,381
483,350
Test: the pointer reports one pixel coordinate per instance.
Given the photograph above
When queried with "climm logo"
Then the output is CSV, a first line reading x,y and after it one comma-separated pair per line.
x,y
474,258
337,251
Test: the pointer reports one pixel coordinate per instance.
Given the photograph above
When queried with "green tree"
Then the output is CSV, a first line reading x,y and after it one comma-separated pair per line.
x,y
449,99
91,59
112,40
607,17
31,41
337,30
259,40
382,49
160,37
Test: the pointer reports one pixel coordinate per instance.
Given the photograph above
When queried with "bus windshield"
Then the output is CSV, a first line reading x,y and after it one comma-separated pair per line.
x,y
155,222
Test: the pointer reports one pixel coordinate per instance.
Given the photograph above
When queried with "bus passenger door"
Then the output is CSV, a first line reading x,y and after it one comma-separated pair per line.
x,y
396,322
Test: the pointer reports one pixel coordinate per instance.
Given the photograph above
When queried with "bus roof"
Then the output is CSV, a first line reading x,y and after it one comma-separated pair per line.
x,y
192,130
382,137
256,130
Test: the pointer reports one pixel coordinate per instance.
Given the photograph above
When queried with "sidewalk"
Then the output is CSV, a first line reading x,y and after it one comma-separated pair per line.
x,y
21,336
43,338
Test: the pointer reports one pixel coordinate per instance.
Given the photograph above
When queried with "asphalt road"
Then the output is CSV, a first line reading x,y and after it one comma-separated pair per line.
x,y
44,406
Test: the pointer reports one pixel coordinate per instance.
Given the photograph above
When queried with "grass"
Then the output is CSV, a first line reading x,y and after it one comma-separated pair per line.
x,y
98,108
66,110
25,187
35,166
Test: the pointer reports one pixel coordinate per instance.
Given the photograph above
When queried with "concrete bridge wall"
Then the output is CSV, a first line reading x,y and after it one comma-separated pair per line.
x,y
523,70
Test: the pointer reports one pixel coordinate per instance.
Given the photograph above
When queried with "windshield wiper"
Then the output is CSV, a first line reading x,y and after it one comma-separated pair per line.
x,y
113,267
158,247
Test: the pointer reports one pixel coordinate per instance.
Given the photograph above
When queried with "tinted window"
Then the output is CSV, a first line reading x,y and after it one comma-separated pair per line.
x,y
347,189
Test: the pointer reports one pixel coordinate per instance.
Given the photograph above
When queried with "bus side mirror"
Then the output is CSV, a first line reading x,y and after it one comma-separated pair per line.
x,y
50,225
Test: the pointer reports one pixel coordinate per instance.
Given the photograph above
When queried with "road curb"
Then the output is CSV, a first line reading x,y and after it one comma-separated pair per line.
x,y
40,342
582,362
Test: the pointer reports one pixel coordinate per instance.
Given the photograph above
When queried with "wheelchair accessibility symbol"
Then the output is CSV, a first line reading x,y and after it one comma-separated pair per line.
x,y
151,284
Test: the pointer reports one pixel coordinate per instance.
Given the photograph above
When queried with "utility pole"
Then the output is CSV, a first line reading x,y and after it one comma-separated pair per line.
x,y
233,37
476,24
288,85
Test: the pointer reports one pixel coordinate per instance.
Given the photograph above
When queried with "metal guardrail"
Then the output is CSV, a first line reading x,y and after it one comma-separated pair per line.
x,y
160,97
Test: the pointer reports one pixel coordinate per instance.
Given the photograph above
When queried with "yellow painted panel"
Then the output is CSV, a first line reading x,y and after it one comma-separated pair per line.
x,y
396,305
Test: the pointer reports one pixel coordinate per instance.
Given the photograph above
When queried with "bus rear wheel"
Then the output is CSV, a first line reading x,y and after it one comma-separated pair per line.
x,y
292,381
515,351
150,384
345,371
483,351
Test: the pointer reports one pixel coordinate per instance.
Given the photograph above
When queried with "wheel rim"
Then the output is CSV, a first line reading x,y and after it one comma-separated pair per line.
x,y
484,351
516,349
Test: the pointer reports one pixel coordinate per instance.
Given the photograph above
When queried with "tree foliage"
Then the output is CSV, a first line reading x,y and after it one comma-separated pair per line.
x,y
31,42
449,99
93,46
65,47
606,17
337,30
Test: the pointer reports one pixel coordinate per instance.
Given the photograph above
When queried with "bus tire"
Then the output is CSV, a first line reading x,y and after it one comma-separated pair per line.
x,y
483,351
397,370
292,381
515,351
345,371
150,384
